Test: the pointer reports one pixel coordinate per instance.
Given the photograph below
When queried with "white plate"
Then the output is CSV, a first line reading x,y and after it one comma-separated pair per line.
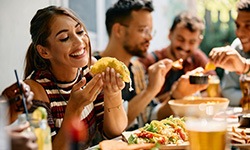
x,y
182,146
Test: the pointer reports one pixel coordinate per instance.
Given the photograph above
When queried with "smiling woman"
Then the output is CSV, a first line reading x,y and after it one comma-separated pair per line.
x,y
57,57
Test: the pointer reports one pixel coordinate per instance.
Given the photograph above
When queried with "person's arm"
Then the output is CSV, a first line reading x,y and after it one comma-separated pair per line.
x,y
231,88
156,73
115,118
180,89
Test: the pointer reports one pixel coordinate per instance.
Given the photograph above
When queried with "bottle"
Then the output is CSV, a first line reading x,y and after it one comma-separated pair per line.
x,y
39,126
22,119
245,88
78,133
38,121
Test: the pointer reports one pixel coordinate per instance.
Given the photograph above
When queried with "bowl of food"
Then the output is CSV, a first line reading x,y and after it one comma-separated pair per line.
x,y
199,107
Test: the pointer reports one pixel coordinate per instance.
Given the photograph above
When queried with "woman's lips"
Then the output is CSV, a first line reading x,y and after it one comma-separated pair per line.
x,y
78,53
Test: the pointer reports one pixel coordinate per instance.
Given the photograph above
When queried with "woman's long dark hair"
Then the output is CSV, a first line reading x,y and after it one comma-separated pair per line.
x,y
40,31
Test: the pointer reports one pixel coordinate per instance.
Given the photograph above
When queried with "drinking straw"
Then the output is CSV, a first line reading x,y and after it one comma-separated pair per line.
x,y
23,97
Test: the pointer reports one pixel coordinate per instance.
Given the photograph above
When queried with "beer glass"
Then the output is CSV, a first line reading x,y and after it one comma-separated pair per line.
x,y
206,134
245,88
213,89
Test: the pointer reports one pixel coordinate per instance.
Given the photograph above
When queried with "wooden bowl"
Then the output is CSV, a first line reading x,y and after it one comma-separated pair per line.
x,y
198,107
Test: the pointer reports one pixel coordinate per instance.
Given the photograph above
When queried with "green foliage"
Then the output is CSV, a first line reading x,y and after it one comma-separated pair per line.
x,y
219,17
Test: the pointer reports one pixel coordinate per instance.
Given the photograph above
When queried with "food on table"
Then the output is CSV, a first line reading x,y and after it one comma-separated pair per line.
x,y
101,65
167,131
177,64
239,137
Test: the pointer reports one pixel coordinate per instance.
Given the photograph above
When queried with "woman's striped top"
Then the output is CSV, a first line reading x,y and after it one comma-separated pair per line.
x,y
58,94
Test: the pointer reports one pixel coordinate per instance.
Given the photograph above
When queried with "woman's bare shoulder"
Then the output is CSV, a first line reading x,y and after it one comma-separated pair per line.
x,y
38,90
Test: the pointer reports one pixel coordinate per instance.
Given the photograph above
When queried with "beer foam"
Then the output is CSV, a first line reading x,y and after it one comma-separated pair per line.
x,y
214,82
205,125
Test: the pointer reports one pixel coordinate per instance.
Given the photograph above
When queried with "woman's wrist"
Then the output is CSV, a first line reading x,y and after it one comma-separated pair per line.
x,y
118,106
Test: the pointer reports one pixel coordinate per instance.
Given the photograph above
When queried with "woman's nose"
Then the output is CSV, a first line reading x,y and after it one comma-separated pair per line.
x,y
77,40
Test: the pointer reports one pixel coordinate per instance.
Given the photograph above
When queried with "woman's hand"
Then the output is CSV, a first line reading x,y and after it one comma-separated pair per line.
x,y
115,117
228,58
13,95
113,83
22,141
81,95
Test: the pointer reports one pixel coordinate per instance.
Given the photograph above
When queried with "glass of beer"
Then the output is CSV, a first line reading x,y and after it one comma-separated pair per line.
x,y
213,89
206,134
245,88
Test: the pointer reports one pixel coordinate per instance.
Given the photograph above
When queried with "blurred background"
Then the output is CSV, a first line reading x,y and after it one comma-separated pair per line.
x,y
15,16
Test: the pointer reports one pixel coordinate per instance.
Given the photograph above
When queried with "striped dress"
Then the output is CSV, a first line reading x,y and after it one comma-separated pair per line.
x,y
58,94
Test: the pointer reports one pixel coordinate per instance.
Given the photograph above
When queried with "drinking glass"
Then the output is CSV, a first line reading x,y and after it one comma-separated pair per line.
x,y
208,132
245,88
41,130
213,89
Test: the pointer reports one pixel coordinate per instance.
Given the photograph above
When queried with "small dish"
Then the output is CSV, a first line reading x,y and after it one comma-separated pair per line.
x,y
198,79
244,121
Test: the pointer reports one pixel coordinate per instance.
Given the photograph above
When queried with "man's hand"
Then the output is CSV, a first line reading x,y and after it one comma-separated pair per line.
x,y
228,58
182,87
157,74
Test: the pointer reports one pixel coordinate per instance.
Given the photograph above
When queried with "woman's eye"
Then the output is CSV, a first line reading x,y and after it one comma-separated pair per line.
x,y
80,32
141,29
64,40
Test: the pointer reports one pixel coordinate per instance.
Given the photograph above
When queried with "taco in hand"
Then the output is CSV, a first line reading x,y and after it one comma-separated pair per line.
x,y
101,65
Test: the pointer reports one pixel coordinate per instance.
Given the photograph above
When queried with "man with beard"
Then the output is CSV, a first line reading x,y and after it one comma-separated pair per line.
x,y
185,37
230,82
129,26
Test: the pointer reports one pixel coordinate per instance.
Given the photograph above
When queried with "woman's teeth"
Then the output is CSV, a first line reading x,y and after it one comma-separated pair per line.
x,y
78,53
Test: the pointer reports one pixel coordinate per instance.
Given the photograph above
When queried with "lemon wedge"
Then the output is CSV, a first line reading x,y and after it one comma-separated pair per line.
x,y
39,113
210,66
